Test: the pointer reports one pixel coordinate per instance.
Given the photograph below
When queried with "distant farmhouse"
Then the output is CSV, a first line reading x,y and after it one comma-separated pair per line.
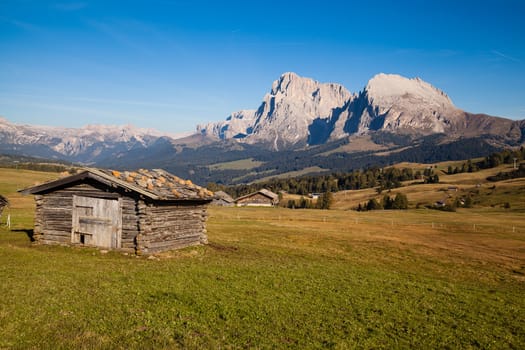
x,y
261,198
223,199
144,211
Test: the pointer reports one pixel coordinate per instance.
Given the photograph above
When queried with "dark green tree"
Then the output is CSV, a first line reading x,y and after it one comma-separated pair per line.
x,y
325,200
373,204
387,202
400,201
468,202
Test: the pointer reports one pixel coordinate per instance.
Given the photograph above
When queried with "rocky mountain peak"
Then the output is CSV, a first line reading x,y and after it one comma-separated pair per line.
x,y
301,111
88,141
283,83
393,86
285,114
408,105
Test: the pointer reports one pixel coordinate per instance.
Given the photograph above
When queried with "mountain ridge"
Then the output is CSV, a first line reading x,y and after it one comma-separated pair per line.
x,y
301,126
301,111
74,144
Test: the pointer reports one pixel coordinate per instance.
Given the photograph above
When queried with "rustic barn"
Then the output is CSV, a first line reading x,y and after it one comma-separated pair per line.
x,y
261,198
144,211
3,203
223,199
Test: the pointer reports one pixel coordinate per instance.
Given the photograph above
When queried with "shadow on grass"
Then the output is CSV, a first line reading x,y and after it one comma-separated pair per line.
x,y
29,232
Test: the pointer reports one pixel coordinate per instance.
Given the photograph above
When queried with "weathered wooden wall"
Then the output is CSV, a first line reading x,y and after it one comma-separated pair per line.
x,y
166,226
147,227
53,215
130,223
53,218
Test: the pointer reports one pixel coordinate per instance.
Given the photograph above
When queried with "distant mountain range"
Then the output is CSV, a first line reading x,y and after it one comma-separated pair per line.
x,y
302,126
301,111
90,144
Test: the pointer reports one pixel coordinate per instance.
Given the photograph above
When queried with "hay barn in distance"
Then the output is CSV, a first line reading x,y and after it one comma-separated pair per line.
x,y
143,211
261,198
223,199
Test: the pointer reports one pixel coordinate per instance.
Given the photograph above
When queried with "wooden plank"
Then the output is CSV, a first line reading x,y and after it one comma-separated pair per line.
x,y
104,226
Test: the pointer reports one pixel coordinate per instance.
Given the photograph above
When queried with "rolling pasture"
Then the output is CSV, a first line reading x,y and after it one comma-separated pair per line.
x,y
275,278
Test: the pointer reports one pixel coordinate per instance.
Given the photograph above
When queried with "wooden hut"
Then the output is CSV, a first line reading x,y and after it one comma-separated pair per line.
x,y
261,198
223,199
144,211
3,203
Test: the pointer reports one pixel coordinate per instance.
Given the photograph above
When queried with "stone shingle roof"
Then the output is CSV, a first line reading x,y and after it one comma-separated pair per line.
x,y
162,183
156,184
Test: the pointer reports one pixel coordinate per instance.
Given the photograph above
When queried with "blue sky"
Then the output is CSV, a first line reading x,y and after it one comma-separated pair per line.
x,y
170,65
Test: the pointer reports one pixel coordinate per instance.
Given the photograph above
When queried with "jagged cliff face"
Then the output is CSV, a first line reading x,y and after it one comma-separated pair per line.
x,y
301,111
237,125
394,102
285,115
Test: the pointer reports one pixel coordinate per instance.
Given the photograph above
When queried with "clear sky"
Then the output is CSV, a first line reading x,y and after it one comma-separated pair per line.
x,y
170,65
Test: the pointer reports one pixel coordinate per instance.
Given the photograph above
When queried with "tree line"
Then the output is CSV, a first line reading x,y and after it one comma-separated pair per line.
x,y
383,178
495,159
380,178
323,202
400,201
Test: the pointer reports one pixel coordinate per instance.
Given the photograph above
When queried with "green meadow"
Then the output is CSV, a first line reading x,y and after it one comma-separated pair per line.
x,y
273,278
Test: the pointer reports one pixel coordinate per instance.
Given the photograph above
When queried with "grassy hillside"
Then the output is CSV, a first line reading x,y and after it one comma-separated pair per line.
x,y
275,278
242,164
484,193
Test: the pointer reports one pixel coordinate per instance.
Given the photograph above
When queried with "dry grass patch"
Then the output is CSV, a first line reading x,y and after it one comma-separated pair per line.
x,y
498,238
357,144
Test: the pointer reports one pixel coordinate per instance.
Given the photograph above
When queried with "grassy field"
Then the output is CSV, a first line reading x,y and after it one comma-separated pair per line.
x,y
275,278
242,164
291,174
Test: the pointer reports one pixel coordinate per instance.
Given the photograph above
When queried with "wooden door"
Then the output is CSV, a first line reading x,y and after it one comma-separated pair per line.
x,y
97,222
